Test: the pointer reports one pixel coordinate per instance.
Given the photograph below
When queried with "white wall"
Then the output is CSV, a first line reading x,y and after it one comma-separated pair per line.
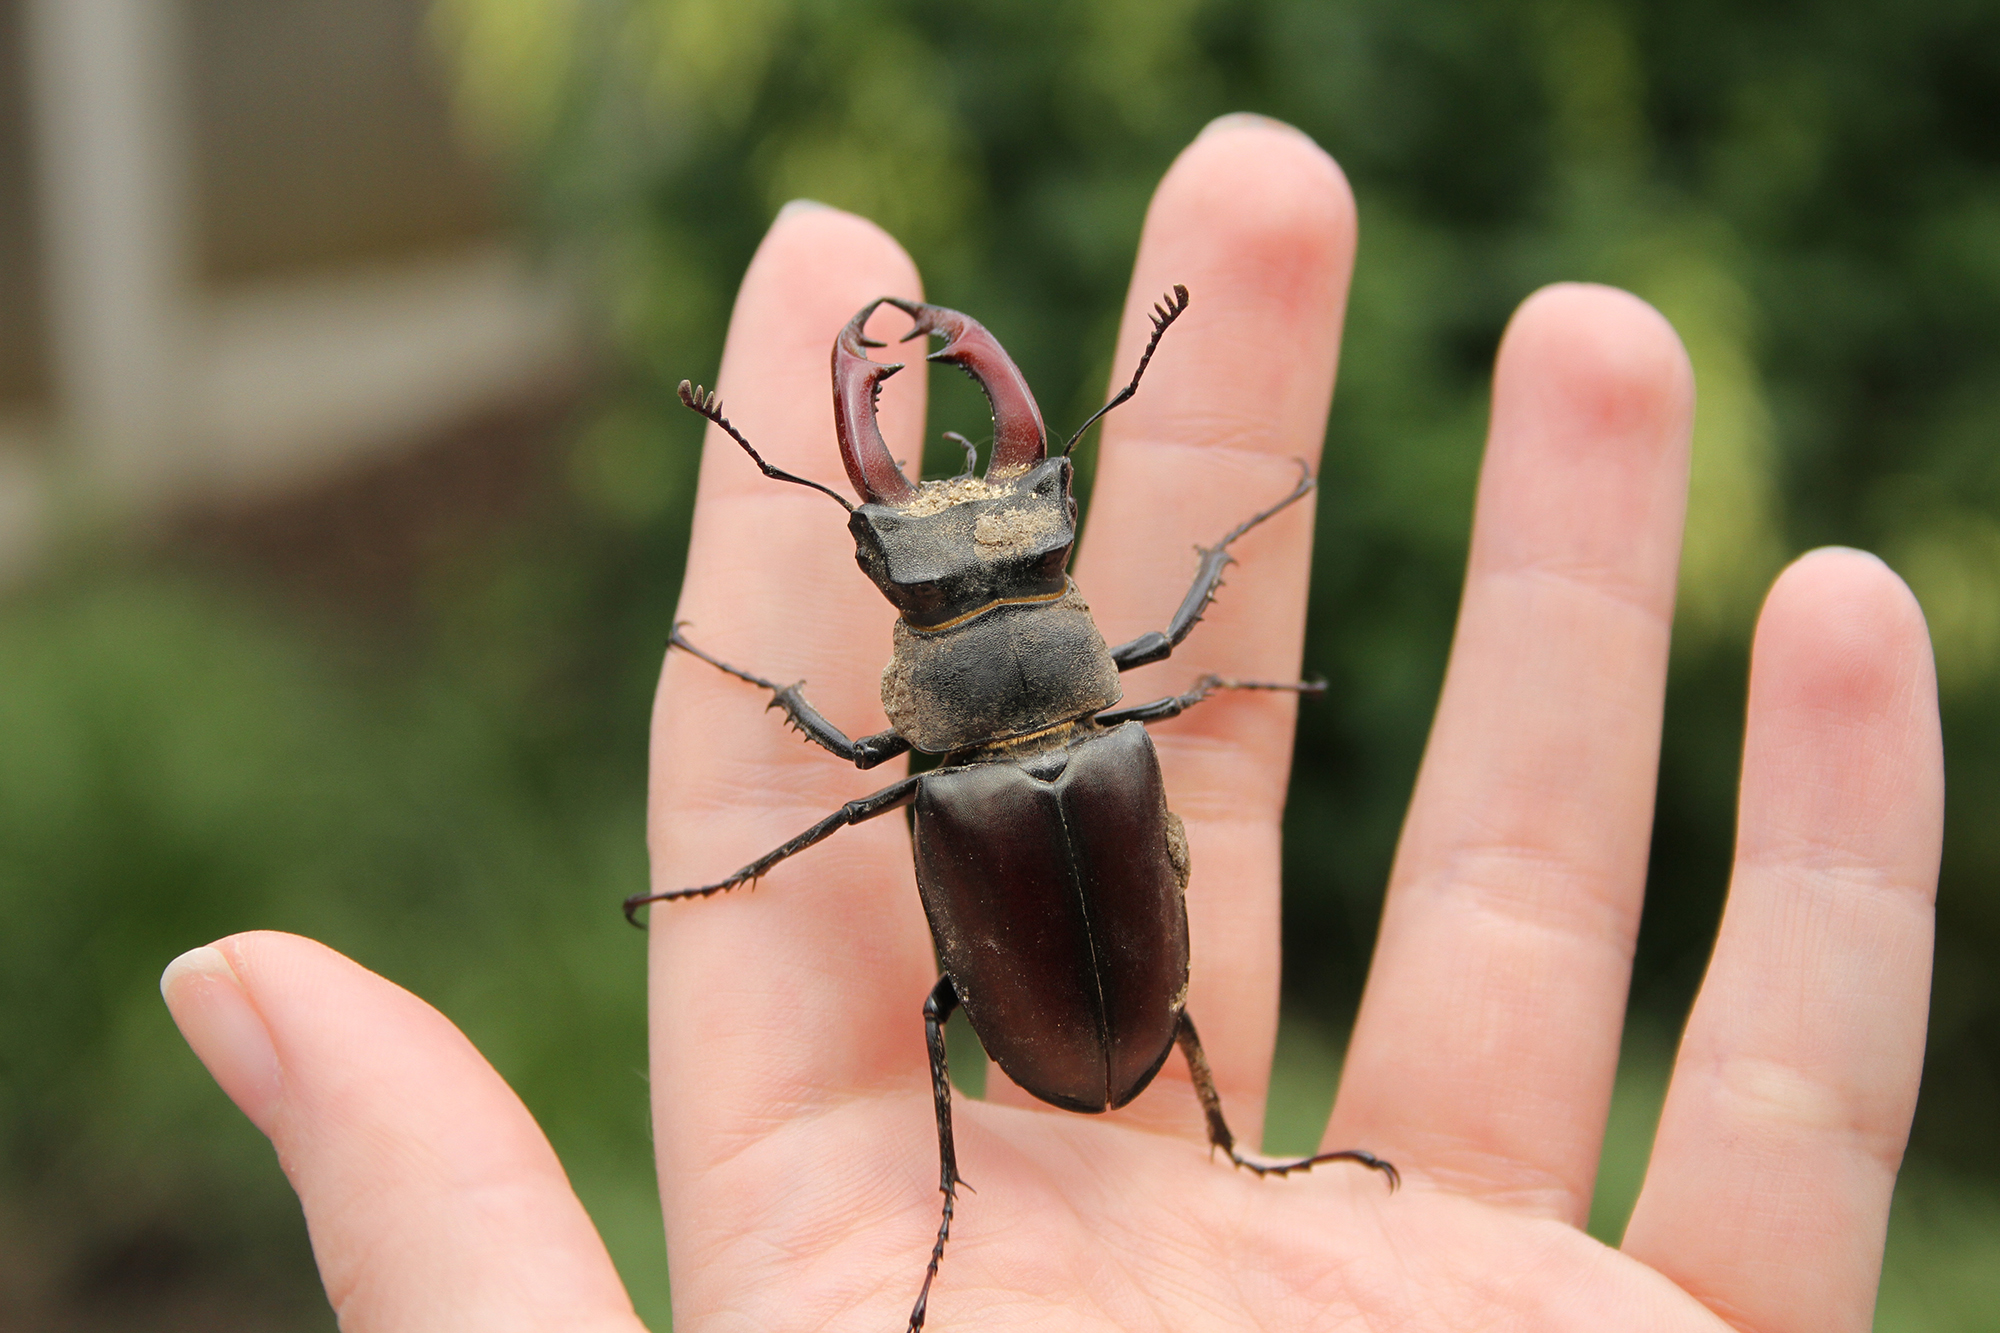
x,y
269,341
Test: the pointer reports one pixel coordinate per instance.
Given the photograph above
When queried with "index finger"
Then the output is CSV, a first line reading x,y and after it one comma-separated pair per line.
x,y
779,997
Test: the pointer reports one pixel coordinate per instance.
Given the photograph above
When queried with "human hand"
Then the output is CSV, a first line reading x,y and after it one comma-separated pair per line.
x,y
792,1100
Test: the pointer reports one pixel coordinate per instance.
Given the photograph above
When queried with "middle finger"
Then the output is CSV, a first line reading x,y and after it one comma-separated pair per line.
x,y
1258,223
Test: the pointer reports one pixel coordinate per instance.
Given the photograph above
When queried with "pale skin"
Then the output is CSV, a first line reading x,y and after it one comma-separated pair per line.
x,y
793,1119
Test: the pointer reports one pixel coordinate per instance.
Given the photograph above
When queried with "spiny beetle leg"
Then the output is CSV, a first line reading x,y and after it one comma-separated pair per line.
x,y
803,717
1175,704
1155,646
1218,1128
943,999
893,797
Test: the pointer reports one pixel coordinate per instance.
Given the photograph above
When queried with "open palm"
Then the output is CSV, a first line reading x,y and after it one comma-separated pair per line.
x,y
793,1108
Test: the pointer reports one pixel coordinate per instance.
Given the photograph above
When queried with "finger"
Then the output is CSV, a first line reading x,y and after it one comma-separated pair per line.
x,y
1768,1192
767,1002
432,1197
1258,224
1488,1035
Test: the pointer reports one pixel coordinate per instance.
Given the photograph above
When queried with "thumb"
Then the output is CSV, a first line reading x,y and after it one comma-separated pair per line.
x,y
433,1199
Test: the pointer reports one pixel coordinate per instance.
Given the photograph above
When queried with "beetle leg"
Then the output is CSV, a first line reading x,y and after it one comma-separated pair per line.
x,y
804,718
1175,704
1218,1128
867,807
1154,645
937,1008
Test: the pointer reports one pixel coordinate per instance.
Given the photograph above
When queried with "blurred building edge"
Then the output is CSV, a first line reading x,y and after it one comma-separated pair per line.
x,y
301,375
246,254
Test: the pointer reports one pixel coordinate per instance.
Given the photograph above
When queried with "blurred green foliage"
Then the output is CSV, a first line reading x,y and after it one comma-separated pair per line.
x,y
178,762
1809,190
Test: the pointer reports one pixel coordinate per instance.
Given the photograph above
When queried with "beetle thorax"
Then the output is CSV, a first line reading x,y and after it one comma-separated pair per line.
x,y
994,641
956,548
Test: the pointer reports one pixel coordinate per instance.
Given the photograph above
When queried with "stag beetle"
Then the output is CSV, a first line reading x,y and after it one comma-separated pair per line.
x,y
1053,873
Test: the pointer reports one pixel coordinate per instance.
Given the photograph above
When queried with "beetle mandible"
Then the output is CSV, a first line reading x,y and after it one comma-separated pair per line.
x,y
1052,872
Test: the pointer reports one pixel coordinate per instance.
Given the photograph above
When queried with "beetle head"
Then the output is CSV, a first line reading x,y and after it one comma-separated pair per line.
x,y
944,549
959,546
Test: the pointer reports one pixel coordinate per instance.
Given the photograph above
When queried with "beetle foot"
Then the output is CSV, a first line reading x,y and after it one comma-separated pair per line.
x,y
922,1306
1313,686
639,900
1287,1166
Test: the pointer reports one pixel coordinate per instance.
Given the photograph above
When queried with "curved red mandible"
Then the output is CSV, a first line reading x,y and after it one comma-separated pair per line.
x,y
1019,439
856,382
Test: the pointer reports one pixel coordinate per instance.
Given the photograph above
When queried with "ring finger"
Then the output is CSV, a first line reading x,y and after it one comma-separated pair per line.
x,y
1488,1035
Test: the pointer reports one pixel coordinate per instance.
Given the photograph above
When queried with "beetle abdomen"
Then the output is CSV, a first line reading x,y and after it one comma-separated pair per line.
x,y
1058,914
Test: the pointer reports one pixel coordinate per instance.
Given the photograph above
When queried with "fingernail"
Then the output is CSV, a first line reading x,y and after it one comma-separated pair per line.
x,y
1241,120
215,1015
803,206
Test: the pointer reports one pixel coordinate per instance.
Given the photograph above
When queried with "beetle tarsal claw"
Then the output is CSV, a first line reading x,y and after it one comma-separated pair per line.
x,y
1358,1156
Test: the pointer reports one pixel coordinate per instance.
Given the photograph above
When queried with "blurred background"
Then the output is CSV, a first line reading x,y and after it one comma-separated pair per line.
x,y
343,494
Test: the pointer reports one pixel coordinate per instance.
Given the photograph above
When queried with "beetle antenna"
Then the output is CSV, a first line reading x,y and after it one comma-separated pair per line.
x,y
971,452
1166,312
701,400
